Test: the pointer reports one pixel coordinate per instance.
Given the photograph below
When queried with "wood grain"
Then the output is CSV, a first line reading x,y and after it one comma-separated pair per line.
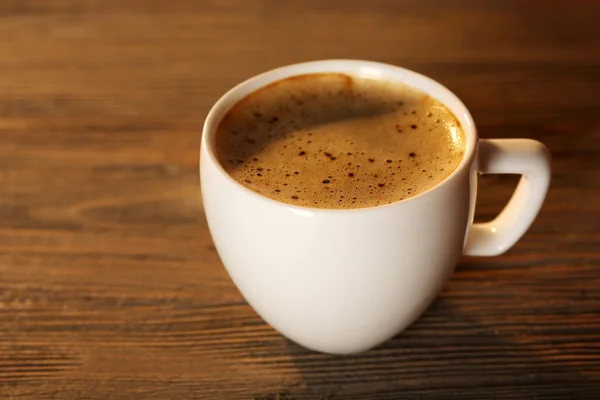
x,y
110,287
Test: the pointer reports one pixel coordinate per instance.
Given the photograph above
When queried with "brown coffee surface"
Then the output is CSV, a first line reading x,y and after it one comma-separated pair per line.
x,y
335,141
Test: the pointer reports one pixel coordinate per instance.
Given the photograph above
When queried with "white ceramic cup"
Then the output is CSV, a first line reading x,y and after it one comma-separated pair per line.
x,y
344,281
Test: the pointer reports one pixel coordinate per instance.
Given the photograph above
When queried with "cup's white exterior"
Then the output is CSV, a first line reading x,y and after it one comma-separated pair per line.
x,y
339,281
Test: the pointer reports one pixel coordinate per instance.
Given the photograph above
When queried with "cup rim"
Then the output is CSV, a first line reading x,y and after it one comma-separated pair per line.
x,y
353,67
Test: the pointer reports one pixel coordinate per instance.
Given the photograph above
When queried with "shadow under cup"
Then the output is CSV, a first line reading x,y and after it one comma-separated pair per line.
x,y
339,280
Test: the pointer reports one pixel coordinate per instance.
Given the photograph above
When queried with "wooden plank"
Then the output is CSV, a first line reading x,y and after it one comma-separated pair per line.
x,y
110,286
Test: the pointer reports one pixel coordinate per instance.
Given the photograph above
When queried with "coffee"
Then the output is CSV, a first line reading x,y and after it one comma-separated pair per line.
x,y
336,141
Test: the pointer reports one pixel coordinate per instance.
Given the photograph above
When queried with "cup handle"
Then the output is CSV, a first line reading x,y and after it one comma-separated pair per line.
x,y
526,157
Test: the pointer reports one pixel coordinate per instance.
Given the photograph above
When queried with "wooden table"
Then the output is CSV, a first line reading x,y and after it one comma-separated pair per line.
x,y
110,286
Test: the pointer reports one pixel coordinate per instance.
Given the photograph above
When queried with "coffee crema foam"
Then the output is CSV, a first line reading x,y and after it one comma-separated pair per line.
x,y
336,141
